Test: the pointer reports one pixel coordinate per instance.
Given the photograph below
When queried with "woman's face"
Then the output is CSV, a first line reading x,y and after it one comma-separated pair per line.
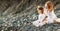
x,y
49,6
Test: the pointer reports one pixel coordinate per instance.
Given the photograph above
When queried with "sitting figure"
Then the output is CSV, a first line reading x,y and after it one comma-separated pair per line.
x,y
41,17
49,12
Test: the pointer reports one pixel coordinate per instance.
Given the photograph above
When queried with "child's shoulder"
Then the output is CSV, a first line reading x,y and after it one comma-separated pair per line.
x,y
41,14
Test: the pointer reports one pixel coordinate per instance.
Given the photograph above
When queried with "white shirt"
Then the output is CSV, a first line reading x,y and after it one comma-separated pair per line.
x,y
41,17
51,16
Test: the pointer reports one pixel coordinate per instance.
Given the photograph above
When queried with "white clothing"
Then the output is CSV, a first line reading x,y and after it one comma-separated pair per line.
x,y
58,19
37,24
41,17
46,11
39,21
50,16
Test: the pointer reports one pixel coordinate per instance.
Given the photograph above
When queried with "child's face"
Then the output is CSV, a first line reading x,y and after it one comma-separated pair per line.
x,y
40,11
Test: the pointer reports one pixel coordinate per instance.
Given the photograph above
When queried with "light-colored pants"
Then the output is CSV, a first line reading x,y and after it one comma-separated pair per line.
x,y
57,20
37,23
49,21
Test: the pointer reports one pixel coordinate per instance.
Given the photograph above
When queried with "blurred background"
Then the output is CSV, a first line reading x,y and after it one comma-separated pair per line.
x,y
17,15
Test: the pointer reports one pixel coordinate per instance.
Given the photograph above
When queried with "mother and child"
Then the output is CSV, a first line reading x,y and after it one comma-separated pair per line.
x,y
46,15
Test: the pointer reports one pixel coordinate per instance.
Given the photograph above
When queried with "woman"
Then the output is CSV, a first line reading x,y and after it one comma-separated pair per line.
x,y
49,12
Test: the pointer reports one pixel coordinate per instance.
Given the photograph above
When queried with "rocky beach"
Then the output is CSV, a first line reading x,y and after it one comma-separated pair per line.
x,y
18,15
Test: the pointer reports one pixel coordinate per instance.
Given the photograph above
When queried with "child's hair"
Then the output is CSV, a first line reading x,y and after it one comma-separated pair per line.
x,y
49,4
40,8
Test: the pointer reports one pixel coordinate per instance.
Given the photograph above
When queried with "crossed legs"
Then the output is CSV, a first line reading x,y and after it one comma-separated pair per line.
x,y
38,23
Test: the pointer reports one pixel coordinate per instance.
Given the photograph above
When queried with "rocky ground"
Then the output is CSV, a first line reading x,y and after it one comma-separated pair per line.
x,y
17,15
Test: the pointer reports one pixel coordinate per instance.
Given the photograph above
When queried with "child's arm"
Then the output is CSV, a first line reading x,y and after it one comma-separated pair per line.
x,y
44,19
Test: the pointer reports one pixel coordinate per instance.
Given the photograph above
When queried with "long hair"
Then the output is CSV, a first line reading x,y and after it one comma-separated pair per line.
x,y
49,5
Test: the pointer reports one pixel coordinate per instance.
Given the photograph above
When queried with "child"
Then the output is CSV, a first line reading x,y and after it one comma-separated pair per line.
x,y
49,11
41,18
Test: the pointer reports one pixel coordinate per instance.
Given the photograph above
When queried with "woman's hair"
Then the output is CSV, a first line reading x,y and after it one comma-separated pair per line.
x,y
49,5
40,8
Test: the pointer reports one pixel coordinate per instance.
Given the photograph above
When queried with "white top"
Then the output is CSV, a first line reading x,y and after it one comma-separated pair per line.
x,y
41,17
51,16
